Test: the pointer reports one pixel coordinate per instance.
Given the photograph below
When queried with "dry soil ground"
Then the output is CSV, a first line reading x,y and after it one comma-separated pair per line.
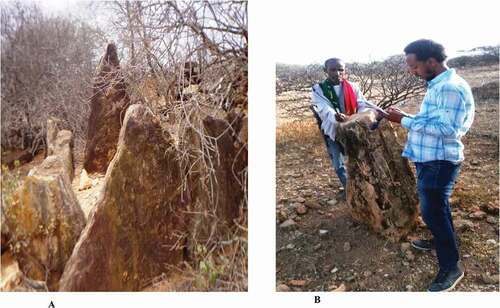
x,y
324,249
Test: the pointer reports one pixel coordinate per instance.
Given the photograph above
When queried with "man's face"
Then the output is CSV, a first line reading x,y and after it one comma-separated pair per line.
x,y
422,69
335,71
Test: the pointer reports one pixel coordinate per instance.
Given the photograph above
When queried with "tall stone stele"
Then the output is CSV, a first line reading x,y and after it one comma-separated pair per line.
x,y
137,229
381,189
108,105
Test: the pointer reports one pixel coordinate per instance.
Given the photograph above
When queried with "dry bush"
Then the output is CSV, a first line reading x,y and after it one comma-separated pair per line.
x,y
188,61
177,45
297,77
221,266
385,83
487,55
488,91
47,65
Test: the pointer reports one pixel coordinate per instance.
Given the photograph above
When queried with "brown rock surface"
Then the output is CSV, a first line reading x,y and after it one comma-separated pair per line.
x,y
381,189
44,219
85,182
13,280
491,208
62,147
5,234
53,127
108,105
218,177
135,230
301,209
230,164
282,288
297,282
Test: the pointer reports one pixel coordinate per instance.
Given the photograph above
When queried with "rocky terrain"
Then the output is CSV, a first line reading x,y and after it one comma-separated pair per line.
x,y
320,247
157,212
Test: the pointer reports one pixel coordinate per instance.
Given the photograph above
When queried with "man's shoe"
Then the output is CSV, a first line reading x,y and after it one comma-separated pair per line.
x,y
341,195
424,245
446,280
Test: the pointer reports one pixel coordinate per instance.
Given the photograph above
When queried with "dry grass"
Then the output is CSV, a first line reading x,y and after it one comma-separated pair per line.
x,y
297,132
478,75
220,267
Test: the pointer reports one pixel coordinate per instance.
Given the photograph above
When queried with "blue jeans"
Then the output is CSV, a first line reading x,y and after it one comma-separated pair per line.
x,y
333,148
435,184
337,158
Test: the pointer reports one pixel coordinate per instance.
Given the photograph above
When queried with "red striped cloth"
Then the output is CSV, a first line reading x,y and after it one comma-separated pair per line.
x,y
350,101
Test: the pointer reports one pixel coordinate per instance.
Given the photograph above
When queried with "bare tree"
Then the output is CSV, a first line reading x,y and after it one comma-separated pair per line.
x,y
47,64
386,83
164,40
297,77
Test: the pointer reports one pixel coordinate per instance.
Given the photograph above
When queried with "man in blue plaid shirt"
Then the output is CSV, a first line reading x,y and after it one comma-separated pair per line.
x,y
434,144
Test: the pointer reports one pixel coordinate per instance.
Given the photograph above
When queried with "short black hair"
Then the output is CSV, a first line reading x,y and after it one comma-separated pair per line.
x,y
333,59
424,49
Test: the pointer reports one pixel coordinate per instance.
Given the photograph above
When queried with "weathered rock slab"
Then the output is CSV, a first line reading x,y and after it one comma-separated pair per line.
x,y
44,219
13,280
136,230
108,104
217,175
381,189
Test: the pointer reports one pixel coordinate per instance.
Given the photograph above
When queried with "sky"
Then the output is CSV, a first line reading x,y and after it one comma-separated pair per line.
x,y
359,31
61,6
78,8
305,32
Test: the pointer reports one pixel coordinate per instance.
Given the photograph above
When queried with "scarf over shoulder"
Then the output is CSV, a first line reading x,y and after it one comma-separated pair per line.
x,y
350,100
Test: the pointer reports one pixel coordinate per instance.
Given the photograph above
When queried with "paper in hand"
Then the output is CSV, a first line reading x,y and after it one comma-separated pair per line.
x,y
371,105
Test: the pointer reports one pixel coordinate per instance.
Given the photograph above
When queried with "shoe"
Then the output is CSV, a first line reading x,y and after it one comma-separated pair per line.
x,y
427,245
446,280
424,245
342,196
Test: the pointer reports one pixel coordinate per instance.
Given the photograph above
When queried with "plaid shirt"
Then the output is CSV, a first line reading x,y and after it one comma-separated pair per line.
x,y
445,116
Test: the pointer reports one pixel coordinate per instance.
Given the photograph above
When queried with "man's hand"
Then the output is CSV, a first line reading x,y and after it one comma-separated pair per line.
x,y
395,115
340,117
